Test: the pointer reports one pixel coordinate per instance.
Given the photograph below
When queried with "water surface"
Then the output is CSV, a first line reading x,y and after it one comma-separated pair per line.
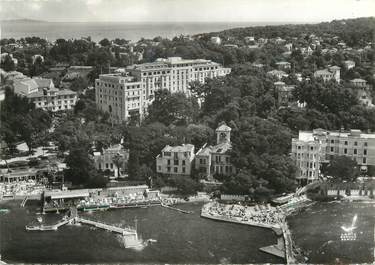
x,y
181,238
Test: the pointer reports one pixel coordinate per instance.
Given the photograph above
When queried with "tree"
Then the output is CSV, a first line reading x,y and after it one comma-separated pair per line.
x,y
185,185
7,64
134,166
79,84
174,108
38,67
118,160
81,169
342,168
105,42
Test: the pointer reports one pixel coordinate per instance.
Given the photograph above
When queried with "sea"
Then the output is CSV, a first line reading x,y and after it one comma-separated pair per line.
x,y
186,238
128,30
317,232
178,238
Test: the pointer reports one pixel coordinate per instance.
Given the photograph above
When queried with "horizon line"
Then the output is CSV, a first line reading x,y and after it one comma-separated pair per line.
x,y
182,21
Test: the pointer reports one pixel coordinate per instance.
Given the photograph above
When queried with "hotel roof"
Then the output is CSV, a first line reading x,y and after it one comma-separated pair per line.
x,y
63,92
308,136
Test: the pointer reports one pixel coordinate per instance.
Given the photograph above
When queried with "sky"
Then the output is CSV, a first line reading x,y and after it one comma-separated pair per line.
x,y
186,10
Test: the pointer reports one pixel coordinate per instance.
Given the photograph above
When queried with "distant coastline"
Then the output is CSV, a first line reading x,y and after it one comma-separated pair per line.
x,y
133,31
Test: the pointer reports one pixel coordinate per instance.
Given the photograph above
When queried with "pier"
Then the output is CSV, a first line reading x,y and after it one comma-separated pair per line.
x,y
111,228
74,218
284,246
176,209
23,203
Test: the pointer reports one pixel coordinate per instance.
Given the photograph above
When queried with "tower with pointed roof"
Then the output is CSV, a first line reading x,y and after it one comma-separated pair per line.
x,y
223,134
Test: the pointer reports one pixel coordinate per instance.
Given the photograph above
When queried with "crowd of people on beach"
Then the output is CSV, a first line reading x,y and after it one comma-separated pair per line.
x,y
259,214
20,188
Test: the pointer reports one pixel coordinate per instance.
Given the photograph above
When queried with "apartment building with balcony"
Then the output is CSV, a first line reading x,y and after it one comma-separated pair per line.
x,y
175,160
131,92
312,148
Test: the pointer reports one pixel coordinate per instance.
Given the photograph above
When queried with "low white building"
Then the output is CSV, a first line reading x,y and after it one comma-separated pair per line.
x,y
175,160
283,65
216,40
349,64
331,73
277,73
36,56
44,95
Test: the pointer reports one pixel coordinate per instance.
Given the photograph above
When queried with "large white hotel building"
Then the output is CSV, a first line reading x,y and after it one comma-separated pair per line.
x,y
312,148
132,91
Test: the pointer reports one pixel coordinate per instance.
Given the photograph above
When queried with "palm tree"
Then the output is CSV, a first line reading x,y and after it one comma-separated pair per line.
x,y
117,160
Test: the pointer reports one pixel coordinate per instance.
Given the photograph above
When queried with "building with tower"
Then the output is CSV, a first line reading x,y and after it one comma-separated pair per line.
x,y
215,160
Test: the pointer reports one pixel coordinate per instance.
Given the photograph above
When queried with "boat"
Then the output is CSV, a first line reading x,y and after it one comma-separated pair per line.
x,y
32,228
95,208
4,210
152,240
40,228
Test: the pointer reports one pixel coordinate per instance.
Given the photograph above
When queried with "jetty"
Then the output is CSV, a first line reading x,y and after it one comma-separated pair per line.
x,y
23,203
175,209
276,250
284,246
111,228
53,227
75,219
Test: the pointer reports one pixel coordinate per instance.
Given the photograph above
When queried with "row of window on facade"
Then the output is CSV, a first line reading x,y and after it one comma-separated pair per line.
x,y
176,162
218,169
156,72
42,103
186,154
55,97
299,147
310,174
345,151
113,86
175,169
355,143
107,166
